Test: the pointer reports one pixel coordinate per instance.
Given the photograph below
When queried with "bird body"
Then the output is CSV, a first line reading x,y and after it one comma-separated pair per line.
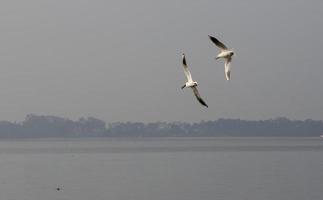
x,y
190,84
225,54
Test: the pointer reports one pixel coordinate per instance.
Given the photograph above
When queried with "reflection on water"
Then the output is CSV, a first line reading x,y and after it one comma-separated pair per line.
x,y
155,145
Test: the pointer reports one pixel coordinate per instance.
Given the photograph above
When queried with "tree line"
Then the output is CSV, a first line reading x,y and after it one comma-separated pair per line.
x,y
35,126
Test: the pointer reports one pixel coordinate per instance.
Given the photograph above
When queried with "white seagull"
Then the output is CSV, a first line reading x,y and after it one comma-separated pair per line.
x,y
190,83
226,54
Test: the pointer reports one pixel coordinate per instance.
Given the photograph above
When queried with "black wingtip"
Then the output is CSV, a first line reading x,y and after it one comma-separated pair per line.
x,y
213,39
203,103
184,59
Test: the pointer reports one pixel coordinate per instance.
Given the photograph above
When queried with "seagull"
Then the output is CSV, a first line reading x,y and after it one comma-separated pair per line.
x,y
190,83
226,54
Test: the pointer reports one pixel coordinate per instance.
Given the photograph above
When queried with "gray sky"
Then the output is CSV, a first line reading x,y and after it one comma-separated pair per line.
x,y
121,60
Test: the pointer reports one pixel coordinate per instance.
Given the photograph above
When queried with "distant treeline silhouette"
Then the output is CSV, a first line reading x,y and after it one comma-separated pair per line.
x,y
35,126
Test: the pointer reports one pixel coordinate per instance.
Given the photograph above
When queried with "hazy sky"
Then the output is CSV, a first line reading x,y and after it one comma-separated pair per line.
x,y
121,60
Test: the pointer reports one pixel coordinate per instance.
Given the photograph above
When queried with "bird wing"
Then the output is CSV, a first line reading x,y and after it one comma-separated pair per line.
x,y
198,97
186,71
227,68
218,43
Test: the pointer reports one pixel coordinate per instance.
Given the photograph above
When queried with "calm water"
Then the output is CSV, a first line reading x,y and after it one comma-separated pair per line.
x,y
162,169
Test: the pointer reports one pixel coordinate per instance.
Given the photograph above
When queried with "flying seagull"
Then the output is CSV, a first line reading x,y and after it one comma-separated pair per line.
x,y
226,54
190,83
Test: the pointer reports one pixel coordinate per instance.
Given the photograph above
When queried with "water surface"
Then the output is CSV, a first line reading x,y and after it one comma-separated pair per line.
x,y
160,169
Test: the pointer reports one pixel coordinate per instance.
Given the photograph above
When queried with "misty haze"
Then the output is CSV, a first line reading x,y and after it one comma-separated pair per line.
x,y
121,61
92,106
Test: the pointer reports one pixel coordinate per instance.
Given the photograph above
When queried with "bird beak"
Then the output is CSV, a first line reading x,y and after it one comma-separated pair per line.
x,y
183,87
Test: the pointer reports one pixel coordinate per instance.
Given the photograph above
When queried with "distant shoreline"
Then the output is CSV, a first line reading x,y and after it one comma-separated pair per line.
x,y
112,138
35,126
